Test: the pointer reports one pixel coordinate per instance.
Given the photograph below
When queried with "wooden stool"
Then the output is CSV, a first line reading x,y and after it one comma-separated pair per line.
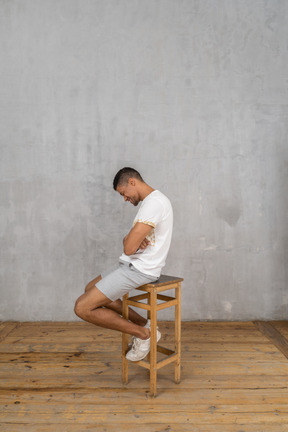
x,y
152,291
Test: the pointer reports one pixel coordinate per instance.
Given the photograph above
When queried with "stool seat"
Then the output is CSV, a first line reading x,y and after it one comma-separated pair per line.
x,y
152,293
162,281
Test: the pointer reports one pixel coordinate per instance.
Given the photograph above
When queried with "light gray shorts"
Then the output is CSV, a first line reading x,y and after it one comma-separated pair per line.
x,y
122,279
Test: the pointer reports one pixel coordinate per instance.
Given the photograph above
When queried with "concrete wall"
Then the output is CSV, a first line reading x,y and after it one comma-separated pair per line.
x,y
194,95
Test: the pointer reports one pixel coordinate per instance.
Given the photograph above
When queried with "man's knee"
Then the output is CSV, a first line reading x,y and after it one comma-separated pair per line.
x,y
79,310
89,302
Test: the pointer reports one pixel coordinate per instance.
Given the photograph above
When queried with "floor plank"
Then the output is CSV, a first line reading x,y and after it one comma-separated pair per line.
x,y
151,427
171,396
67,377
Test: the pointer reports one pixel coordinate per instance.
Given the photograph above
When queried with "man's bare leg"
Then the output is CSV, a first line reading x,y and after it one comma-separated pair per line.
x,y
117,305
92,306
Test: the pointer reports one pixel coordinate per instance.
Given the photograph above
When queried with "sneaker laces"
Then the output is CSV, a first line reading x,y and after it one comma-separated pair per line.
x,y
136,342
131,343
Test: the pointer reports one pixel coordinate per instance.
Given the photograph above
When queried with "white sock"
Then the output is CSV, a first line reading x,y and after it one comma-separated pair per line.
x,y
147,325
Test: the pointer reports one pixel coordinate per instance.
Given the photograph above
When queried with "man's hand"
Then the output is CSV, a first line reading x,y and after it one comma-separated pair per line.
x,y
144,244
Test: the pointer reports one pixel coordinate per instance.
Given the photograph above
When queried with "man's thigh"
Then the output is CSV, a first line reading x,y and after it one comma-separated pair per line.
x,y
121,281
92,299
92,283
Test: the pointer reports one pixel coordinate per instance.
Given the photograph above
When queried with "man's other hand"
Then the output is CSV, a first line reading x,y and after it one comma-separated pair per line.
x,y
144,244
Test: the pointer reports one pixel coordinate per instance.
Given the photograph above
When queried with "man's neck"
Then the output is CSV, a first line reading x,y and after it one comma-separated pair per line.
x,y
145,191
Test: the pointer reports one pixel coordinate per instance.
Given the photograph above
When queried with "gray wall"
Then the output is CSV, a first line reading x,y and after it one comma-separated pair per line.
x,y
194,95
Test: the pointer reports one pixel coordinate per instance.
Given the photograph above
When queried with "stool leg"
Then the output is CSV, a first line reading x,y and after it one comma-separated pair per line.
x,y
148,317
153,342
178,333
124,342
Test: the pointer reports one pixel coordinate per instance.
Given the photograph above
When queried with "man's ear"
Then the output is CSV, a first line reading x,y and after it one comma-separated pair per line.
x,y
132,181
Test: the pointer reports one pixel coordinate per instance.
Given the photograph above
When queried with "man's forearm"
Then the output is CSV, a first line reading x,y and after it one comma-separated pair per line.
x,y
125,245
136,238
141,246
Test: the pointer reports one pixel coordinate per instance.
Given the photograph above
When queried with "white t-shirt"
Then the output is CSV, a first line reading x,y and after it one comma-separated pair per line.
x,y
155,211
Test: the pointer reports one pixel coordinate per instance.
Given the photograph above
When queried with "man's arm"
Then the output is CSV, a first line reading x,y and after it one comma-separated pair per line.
x,y
136,238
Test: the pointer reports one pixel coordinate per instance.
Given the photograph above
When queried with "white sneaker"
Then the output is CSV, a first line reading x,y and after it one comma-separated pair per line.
x,y
147,325
140,348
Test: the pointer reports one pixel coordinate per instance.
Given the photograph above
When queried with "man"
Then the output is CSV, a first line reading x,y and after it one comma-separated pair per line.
x,y
145,249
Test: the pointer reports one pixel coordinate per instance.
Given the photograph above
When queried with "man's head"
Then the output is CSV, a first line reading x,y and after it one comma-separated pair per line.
x,y
127,182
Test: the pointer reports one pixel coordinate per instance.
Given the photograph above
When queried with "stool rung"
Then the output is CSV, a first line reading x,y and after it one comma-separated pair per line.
x,y
164,297
167,304
165,351
161,363
170,359
139,297
160,349
143,363
138,304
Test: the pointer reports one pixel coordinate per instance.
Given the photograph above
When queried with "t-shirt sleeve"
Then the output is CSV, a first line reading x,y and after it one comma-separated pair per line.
x,y
151,213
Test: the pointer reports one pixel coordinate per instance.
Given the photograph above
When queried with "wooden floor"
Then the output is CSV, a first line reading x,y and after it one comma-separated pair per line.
x,y
66,377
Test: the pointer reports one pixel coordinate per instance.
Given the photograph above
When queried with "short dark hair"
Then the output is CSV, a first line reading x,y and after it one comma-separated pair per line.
x,y
123,176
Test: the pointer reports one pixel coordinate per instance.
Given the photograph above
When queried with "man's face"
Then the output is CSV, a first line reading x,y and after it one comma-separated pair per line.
x,y
129,193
